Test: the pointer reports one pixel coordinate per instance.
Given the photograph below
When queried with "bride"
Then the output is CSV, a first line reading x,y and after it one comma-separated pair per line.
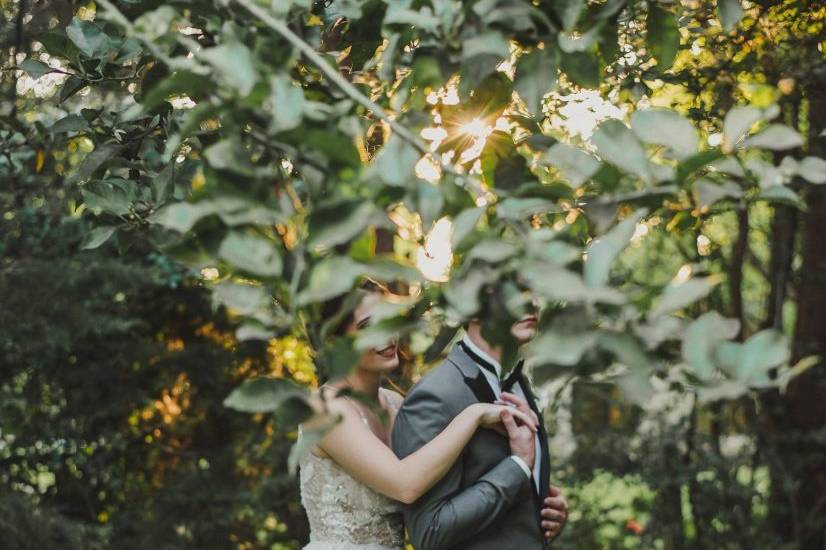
x,y
352,483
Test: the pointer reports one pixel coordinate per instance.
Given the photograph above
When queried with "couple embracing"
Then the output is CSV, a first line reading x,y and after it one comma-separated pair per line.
x,y
461,462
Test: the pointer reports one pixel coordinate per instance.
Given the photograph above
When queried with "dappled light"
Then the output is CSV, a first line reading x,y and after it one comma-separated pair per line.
x,y
213,214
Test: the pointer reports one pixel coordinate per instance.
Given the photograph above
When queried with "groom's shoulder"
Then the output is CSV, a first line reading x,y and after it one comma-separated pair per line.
x,y
443,380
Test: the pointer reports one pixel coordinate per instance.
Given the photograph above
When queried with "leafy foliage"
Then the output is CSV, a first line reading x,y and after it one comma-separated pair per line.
x,y
259,149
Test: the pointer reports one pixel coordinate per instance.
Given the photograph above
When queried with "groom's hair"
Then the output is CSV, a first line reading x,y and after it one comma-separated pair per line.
x,y
338,311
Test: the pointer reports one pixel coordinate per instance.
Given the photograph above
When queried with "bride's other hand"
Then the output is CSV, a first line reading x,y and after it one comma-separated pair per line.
x,y
519,403
490,416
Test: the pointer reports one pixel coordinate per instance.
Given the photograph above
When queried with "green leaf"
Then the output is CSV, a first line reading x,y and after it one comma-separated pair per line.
x,y
730,13
492,250
636,386
93,161
70,123
702,337
428,200
602,251
782,194
163,184
253,331
558,283
618,145
34,68
182,216
661,330
464,223
462,293
662,36
813,170
561,347
72,86
191,123
309,438
251,253
231,155
340,222
536,75
396,162
521,209
708,192
576,42
751,361
678,296
153,25
576,165
287,101
668,128
490,43
568,12
330,278
582,68
245,299
114,195
89,38
776,137
339,357
388,269
234,66
625,348
737,124
177,84
263,394
96,237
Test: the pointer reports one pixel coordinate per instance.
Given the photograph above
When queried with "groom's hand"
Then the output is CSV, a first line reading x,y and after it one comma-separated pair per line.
x,y
521,439
554,513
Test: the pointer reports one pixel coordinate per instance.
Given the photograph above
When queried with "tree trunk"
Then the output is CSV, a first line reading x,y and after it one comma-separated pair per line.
x,y
801,412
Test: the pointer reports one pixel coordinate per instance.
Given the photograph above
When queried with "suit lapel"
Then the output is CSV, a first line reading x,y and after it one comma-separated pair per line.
x,y
472,375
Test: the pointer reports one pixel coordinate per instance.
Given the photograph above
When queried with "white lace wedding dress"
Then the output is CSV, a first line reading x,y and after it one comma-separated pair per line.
x,y
344,513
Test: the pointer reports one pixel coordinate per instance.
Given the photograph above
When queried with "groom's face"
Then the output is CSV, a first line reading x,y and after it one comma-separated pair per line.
x,y
524,330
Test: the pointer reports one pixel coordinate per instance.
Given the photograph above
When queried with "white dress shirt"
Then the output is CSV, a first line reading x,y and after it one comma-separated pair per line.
x,y
493,380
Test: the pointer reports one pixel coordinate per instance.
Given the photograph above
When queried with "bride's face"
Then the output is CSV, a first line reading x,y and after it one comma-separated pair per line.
x,y
382,359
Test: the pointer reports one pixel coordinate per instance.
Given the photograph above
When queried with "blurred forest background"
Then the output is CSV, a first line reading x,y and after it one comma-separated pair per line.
x,y
118,351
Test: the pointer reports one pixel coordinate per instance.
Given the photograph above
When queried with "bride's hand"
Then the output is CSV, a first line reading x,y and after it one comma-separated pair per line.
x,y
519,403
489,415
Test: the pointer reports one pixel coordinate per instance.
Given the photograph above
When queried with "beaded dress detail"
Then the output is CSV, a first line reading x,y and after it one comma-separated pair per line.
x,y
344,513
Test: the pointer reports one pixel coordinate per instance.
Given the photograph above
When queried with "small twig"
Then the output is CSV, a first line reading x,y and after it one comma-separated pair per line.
x,y
345,85
115,15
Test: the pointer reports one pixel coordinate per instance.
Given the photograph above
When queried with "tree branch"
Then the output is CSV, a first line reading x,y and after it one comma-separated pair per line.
x,y
345,85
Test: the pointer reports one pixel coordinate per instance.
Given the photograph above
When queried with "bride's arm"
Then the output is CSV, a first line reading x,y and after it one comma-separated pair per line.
x,y
365,457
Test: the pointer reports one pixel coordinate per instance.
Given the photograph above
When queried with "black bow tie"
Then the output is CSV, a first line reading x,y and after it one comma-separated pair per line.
x,y
505,383
514,376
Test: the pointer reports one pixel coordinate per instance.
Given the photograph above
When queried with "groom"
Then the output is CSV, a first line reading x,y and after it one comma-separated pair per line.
x,y
497,495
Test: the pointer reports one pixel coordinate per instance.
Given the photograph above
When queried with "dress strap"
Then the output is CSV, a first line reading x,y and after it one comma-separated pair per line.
x,y
358,409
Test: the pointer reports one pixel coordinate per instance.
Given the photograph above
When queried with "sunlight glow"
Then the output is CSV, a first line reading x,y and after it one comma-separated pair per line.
x,y
210,273
476,128
703,245
436,256
639,232
683,275
428,169
581,112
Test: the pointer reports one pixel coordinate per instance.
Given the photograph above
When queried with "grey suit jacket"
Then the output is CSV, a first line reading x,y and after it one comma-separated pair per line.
x,y
485,501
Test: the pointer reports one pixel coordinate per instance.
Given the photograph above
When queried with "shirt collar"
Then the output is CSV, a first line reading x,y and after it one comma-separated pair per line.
x,y
478,351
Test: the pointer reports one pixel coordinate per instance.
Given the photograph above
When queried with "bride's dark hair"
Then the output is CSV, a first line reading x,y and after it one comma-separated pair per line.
x,y
337,313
